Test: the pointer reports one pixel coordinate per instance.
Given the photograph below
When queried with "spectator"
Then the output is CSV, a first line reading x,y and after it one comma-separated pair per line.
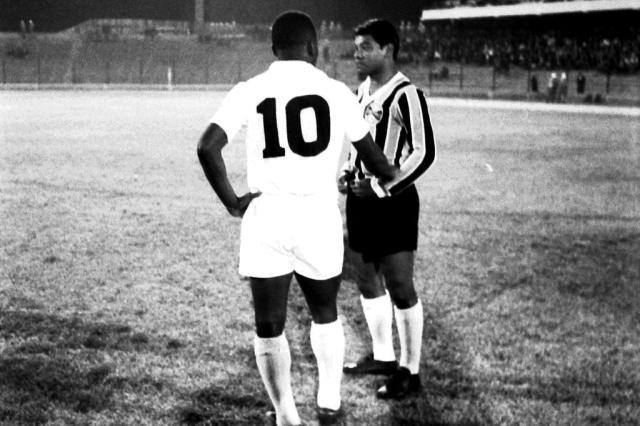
x,y
552,87
326,51
581,83
563,88
600,48
534,83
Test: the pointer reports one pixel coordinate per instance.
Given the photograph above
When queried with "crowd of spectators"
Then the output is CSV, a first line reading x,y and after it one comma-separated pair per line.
x,y
608,49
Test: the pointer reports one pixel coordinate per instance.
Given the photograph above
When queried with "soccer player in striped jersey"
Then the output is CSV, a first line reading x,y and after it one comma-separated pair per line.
x,y
382,218
297,120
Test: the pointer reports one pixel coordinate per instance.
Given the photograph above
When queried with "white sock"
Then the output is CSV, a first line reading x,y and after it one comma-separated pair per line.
x,y
274,363
327,343
409,322
379,315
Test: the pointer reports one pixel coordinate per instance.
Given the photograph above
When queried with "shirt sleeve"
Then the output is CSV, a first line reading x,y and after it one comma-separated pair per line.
x,y
356,126
233,112
412,112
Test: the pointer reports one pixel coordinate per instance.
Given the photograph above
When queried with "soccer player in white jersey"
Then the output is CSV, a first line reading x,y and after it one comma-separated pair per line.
x,y
382,218
298,120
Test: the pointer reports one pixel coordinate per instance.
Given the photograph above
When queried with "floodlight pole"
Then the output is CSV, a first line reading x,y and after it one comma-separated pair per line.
x,y
198,18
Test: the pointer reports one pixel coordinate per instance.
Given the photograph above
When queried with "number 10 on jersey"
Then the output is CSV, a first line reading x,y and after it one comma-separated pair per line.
x,y
295,137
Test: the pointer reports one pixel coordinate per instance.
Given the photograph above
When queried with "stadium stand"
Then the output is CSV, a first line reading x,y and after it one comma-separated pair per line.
x,y
600,34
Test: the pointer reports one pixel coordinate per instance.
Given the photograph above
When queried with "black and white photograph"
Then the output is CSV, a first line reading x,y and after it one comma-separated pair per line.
x,y
297,212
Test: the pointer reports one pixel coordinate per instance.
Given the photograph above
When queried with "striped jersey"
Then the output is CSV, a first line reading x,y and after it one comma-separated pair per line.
x,y
399,123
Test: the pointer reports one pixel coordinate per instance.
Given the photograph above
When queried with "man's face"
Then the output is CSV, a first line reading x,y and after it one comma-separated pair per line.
x,y
369,56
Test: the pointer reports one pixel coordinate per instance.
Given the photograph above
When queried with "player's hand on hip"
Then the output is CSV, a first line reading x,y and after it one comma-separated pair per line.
x,y
242,204
362,188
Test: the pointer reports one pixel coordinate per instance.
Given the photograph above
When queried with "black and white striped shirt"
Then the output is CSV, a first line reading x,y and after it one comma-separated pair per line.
x,y
399,119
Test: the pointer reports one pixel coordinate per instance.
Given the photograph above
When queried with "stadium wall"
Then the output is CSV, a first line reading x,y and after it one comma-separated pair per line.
x,y
53,16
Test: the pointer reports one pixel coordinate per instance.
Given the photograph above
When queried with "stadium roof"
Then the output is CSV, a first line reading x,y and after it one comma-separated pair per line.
x,y
530,9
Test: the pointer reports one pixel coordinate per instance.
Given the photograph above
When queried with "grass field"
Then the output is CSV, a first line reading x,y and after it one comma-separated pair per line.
x,y
120,302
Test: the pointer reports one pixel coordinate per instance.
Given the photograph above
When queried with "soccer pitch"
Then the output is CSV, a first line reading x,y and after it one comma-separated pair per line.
x,y
120,302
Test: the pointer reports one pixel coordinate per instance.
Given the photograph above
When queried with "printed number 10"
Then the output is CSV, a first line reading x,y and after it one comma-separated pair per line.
x,y
293,109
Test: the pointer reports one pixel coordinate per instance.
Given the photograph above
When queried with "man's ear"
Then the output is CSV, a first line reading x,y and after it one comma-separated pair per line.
x,y
312,49
388,50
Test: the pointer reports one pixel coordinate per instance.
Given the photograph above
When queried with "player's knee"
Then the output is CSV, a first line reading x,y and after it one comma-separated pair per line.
x,y
370,289
402,293
270,327
324,314
323,309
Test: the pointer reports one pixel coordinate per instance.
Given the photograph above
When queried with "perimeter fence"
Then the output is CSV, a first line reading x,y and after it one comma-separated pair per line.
x,y
176,58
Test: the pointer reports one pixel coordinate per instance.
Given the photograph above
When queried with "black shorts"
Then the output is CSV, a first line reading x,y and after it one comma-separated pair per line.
x,y
381,226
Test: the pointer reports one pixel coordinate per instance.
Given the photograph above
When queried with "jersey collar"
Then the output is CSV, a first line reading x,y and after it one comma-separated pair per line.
x,y
292,66
383,91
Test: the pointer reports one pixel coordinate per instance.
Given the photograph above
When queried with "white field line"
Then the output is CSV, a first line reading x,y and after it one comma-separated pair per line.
x,y
113,86
536,106
444,101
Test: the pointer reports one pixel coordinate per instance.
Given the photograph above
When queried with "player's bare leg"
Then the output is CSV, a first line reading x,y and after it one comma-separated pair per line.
x,y
271,346
327,343
397,269
378,312
370,281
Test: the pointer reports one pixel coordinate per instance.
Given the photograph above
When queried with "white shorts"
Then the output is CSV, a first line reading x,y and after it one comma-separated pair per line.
x,y
284,233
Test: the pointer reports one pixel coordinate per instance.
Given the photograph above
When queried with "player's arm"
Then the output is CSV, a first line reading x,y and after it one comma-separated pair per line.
x,y
413,113
210,155
374,159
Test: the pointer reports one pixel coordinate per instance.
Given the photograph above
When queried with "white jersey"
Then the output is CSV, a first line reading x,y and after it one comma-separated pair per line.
x,y
298,120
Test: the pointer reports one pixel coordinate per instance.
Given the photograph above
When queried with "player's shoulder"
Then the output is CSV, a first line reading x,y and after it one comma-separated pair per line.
x,y
406,88
338,88
405,85
257,80
239,89
248,90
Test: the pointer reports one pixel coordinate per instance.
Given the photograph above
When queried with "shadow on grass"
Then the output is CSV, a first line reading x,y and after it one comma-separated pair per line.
x,y
602,269
225,405
448,391
44,369
572,299
69,333
449,394
32,383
